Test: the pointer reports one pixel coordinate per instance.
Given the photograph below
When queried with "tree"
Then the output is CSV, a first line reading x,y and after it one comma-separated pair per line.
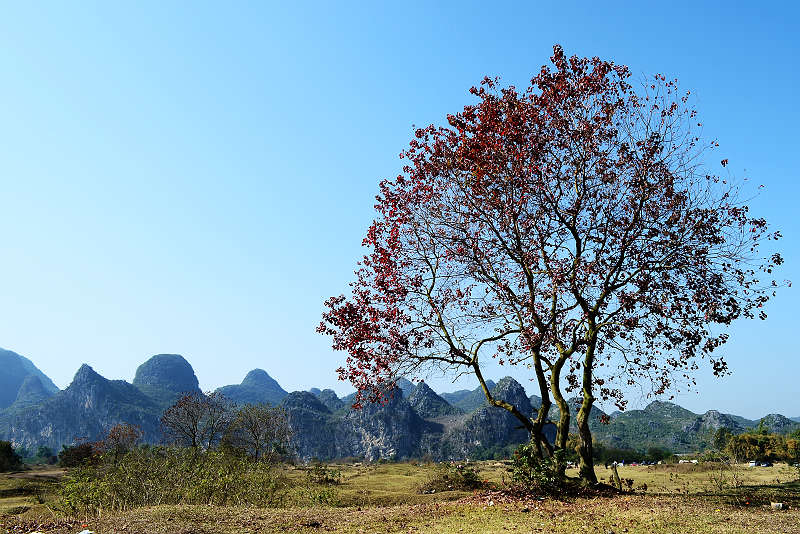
x,y
720,439
80,454
197,420
120,439
571,228
260,430
9,459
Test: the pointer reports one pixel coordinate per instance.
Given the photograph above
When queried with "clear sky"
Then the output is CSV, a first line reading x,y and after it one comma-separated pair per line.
x,y
196,177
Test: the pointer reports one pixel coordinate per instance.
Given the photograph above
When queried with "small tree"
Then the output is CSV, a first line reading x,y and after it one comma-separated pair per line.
x,y
261,431
80,454
196,420
9,459
120,439
720,439
570,228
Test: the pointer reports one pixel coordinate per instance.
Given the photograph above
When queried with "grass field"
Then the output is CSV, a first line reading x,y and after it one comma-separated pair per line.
x,y
387,498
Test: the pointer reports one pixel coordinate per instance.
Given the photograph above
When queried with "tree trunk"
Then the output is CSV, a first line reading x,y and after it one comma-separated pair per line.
x,y
615,478
562,427
585,449
587,473
544,411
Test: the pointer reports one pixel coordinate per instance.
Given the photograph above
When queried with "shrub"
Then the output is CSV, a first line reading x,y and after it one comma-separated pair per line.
x,y
324,475
312,494
120,439
9,459
530,474
149,476
451,476
78,455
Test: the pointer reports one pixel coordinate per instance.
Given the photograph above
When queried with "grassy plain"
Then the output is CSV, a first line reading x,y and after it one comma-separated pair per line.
x,y
387,498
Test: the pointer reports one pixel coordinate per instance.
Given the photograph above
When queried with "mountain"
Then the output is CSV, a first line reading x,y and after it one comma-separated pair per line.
x,y
795,419
414,422
428,404
468,400
329,399
405,385
711,421
391,430
312,425
88,407
16,369
31,392
664,424
164,378
256,388
779,424
660,424
489,430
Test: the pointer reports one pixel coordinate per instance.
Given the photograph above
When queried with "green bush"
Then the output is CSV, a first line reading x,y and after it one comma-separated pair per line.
x,y
530,474
324,475
78,455
315,494
9,459
149,476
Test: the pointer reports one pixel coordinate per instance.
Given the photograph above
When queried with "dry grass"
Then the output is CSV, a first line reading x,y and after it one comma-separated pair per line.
x,y
29,494
638,514
386,498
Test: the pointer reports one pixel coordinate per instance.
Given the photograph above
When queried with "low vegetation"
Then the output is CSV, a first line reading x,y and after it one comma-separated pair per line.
x,y
148,476
9,459
387,497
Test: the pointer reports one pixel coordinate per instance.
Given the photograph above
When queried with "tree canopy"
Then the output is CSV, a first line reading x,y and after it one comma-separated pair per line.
x,y
574,228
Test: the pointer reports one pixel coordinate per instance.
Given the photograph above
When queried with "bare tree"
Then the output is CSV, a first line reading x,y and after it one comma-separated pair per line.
x,y
197,420
260,430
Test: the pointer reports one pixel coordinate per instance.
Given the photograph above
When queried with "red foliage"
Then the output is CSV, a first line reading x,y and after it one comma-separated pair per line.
x,y
570,224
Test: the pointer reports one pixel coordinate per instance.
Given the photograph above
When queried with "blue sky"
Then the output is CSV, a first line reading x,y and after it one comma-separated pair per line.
x,y
196,177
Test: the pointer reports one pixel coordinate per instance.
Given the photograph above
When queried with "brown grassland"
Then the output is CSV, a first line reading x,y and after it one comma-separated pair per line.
x,y
387,498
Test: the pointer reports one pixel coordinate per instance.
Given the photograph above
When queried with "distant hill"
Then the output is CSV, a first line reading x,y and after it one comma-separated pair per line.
x,y
430,405
468,400
776,422
489,431
15,369
405,385
31,392
164,378
664,424
256,388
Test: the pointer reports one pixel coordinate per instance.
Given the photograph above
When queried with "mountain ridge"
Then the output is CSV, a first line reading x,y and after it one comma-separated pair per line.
x,y
16,368
416,421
